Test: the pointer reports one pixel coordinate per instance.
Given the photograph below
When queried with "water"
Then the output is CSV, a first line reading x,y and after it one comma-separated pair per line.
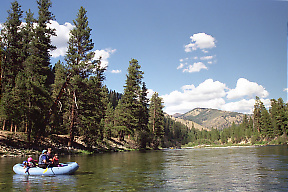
x,y
205,169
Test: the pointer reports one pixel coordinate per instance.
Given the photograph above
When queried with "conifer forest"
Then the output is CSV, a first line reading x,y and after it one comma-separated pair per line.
x,y
69,97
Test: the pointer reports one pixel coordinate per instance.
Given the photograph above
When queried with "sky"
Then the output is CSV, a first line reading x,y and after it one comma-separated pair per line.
x,y
194,53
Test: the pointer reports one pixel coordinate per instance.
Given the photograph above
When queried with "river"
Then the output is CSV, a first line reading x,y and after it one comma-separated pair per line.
x,y
201,169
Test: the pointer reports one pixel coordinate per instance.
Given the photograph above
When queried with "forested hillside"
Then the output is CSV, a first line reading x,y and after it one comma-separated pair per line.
x,y
263,127
70,97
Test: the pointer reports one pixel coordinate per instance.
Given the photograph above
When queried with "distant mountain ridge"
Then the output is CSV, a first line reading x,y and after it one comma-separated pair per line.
x,y
211,118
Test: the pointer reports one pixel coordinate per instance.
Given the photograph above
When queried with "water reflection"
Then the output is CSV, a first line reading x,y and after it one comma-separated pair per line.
x,y
131,171
214,169
225,169
44,183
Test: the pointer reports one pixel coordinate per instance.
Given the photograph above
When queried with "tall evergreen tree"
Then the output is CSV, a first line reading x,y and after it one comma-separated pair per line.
x,y
130,99
80,62
120,119
143,132
59,95
38,68
12,60
279,116
258,107
156,119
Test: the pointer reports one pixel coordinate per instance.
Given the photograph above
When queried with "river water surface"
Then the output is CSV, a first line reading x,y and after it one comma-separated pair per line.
x,y
204,169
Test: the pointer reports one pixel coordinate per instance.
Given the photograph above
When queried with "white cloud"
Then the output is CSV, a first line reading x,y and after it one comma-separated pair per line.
x,y
207,94
104,54
62,38
150,92
196,67
244,105
180,66
116,71
247,88
201,41
211,94
286,90
206,57
1,26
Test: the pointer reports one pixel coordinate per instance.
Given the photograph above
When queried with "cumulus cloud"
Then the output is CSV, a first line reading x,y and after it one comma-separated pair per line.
x,y
243,106
116,71
201,41
247,88
62,38
196,67
61,42
104,54
209,94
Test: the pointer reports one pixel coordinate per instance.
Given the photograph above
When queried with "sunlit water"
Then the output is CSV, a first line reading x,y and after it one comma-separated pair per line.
x,y
205,169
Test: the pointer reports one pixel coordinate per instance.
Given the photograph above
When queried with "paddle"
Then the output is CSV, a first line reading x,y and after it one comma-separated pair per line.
x,y
46,169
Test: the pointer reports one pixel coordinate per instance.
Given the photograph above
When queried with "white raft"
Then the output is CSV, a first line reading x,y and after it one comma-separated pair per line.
x,y
64,169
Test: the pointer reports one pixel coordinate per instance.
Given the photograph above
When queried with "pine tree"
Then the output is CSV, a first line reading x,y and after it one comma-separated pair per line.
x,y
59,94
266,124
130,99
257,114
12,60
143,132
279,116
38,68
81,64
120,120
156,120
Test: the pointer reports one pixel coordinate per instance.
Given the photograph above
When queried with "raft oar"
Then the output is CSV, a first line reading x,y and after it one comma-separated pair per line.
x,y
46,169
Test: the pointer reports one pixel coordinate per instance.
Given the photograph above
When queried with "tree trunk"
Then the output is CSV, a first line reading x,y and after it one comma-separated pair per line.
x,y
4,122
11,128
71,138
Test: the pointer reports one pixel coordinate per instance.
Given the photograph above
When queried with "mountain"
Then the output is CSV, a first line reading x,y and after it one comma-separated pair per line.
x,y
211,118
189,124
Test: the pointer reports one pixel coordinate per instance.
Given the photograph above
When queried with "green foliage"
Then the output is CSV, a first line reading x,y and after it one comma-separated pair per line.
x,y
84,105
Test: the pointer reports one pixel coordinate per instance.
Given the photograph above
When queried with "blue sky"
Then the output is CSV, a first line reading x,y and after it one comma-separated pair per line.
x,y
194,53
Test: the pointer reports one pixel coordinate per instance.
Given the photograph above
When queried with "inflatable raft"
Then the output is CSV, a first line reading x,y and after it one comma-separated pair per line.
x,y
64,169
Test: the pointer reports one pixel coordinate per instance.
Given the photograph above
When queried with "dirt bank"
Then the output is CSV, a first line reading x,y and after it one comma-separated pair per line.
x,y
15,145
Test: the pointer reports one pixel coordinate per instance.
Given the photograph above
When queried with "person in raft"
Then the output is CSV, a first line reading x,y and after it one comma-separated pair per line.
x,y
49,154
55,161
43,159
26,166
31,161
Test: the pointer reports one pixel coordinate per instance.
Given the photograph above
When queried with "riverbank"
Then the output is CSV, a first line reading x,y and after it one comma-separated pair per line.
x,y
282,140
15,145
